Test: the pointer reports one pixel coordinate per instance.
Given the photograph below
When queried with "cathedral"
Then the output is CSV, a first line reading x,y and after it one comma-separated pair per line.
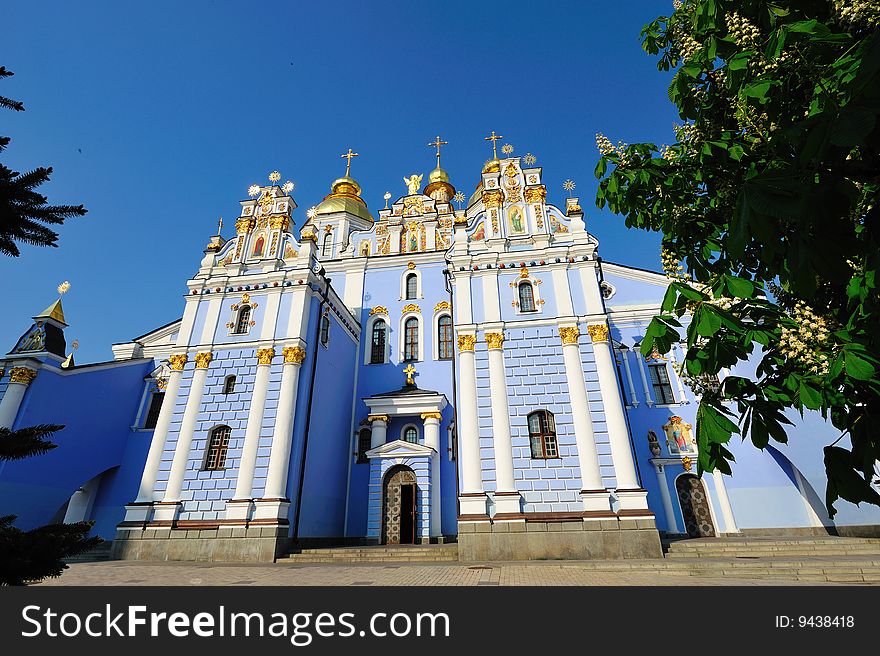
x,y
422,373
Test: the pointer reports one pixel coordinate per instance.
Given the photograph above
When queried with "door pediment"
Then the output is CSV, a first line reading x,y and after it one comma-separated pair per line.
x,y
400,449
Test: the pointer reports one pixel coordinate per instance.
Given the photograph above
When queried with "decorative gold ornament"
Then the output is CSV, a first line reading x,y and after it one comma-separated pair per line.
x,y
22,375
655,355
379,309
348,156
245,298
494,340
266,202
442,305
63,288
293,354
161,384
466,342
409,371
265,355
279,222
431,415
686,462
535,194
178,361
372,418
574,208
203,360
461,220
493,139
569,334
309,236
411,307
598,332
493,198
410,265
524,272
274,176
245,225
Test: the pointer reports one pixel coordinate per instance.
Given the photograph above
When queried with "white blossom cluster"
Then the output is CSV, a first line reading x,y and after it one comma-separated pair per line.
x,y
605,147
808,341
742,31
863,13
672,266
686,133
667,153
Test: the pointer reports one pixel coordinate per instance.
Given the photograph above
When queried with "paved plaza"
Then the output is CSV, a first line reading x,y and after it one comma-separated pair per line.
x,y
448,574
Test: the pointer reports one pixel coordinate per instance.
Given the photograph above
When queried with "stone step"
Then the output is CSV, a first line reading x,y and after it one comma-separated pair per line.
x,y
445,553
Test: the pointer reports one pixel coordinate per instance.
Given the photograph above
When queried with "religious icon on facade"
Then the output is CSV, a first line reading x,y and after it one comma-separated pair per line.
x,y
516,221
480,233
679,437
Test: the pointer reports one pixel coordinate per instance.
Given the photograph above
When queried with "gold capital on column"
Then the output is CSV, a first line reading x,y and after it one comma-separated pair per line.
x,y
432,415
495,340
178,361
569,334
22,375
466,342
203,360
598,332
293,354
265,355
372,418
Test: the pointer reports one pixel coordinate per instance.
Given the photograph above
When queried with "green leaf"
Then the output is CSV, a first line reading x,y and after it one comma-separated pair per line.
x,y
856,365
844,481
810,396
708,321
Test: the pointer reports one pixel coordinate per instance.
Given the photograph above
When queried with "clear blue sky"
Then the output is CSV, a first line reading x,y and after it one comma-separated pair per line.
x,y
157,116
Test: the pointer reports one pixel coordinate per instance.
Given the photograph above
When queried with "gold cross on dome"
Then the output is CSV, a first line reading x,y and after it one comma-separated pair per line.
x,y
409,371
437,143
493,139
348,156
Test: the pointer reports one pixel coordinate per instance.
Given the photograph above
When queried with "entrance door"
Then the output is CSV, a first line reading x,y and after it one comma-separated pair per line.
x,y
399,506
694,507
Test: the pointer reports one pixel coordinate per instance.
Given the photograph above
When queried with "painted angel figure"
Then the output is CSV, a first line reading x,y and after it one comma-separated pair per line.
x,y
413,183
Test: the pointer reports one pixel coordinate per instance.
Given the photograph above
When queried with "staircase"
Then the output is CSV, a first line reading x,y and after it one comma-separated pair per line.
x,y
830,559
416,553
99,553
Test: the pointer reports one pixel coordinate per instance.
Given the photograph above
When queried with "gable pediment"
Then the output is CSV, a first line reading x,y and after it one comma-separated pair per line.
x,y
400,449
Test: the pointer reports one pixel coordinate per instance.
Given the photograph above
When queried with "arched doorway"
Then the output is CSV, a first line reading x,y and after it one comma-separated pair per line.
x,y
399,506
694,507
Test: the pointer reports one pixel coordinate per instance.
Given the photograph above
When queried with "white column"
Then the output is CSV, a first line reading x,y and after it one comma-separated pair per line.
x,y
624,353
629,492
245,481
724,502
432,440
378,430
663,484
507,499
19,379
649,399
279,456
160,433
80,505
593,494
472,500
185,437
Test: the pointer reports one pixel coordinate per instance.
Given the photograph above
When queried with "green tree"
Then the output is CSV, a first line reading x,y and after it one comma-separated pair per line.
x,y
767,205
30,556
24,215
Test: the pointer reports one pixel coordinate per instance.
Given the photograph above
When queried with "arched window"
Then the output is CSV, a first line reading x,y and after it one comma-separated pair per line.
x,y
229,385
218,443
364,441
412,286
660,382
542,435
444,337
526,297
411,339
377,347
327,248
411,434
244,320
325,330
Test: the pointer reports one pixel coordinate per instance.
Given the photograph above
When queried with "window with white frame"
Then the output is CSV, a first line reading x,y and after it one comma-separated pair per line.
x,y
411,339
378,340
444,337
662,387
243,321
526,297
542,435
218,444
155,408
410,434
412,286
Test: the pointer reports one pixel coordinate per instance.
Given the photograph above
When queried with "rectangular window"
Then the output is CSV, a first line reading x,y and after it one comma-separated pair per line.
x,y
364,440
155,407
217,445
542,435
660,382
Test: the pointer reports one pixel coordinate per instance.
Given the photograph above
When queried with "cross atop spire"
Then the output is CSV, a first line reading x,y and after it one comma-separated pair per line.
x,y
409,371
348,156
493,139
437,143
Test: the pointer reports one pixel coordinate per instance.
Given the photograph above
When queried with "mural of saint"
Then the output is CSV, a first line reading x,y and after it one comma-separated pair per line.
x,y
413,241
480,233
259,246
679,437
516,220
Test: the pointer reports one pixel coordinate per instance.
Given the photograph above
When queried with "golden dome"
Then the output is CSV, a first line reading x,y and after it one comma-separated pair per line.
x,y
476,195
492,166
438,175
345,196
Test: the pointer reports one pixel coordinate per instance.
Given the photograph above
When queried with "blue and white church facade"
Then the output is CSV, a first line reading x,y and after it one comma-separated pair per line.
x,y
425,374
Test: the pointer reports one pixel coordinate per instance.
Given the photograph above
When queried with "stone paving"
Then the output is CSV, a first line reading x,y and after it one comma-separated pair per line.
x,y
431,574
